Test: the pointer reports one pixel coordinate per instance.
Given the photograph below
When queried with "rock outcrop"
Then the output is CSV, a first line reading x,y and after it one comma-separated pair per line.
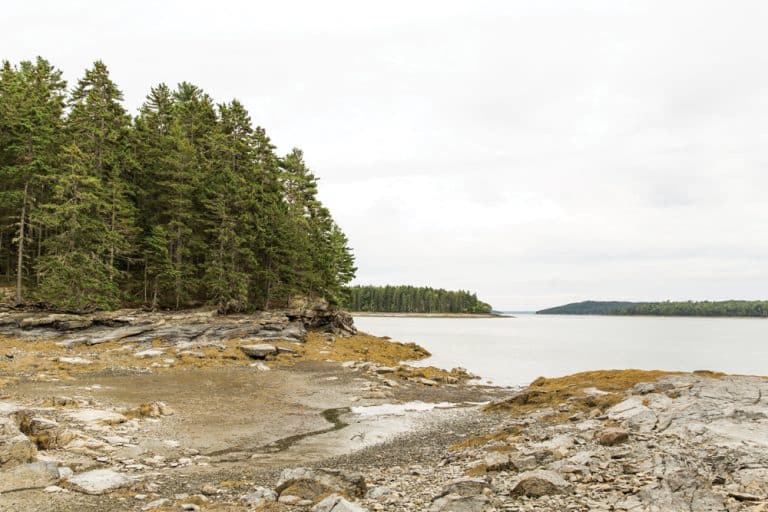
x,y
178,327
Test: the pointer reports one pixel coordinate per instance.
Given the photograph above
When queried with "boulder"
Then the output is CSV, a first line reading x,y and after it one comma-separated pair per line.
x,y
24,476
498,461
539,483
100,481
260,351
15,447
612,436
96,417
456,503
312,483
46,434
335,503
634,413
643,388
153,410
259,497
465,487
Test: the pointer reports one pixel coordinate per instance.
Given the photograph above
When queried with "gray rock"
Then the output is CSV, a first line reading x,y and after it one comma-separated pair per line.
x,y
260,351
259,497
643,388
524,462
29,476
539,483
15,447
335,503
156,504
378,492
465,487
100,481
46,433
612,436
456,503
636,414
74,360
498,461
312,483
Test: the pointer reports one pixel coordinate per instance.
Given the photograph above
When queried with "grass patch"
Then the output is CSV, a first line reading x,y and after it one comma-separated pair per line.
x,y
572,391
483,439
360,347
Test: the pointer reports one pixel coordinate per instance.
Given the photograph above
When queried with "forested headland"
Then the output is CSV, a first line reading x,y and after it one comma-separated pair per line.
x,y
727,308
184,204
412,299
588,307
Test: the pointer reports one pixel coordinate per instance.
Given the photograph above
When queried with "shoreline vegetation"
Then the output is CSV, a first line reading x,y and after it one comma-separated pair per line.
x,y
184,204
714,309
414,299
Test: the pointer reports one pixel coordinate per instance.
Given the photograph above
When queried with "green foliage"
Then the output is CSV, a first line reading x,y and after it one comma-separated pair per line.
x,y
77,281
412,299
749,308
186,204
756,308
588,307
31,117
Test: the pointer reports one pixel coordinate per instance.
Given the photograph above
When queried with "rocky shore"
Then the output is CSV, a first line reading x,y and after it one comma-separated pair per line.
x,y
294,411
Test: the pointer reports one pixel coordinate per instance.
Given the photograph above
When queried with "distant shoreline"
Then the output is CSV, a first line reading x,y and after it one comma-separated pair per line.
x,y
692,309
428,315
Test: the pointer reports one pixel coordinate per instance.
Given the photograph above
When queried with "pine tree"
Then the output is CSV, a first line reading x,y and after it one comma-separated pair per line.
x,y
165,159
31,107
75,273
186,205
229,256
100,128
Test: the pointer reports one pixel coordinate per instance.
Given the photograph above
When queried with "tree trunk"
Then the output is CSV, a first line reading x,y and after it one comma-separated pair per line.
x,y
20,256
113,222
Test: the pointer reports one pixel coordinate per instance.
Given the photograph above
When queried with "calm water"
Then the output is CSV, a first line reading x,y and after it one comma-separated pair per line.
x,y
514,351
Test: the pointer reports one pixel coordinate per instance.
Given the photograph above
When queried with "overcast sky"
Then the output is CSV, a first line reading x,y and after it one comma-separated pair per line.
x,y
537,152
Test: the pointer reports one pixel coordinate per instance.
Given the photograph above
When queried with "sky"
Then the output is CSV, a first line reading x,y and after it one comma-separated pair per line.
x,y
536,152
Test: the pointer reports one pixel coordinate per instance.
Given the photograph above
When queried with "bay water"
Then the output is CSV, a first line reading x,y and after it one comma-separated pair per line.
x,y
515,351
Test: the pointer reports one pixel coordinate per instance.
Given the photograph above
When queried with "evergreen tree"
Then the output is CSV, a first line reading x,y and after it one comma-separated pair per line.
x,y
75,273
31,107
410,299
100,129
185,205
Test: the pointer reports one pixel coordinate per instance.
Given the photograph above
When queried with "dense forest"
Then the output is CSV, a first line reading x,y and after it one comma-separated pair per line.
x,y
186,203
588,307
411,299
753,308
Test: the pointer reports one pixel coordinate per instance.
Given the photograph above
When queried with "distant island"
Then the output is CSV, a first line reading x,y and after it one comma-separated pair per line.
x,y
726,308
413,299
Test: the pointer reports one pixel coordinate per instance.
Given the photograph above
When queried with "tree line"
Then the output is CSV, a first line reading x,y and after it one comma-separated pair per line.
x,y
587,307
412,299
754,308
751,308
186,203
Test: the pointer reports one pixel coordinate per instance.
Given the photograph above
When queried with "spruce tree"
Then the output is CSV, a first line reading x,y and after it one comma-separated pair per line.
x,y
31,107
186,205
100,128
75,273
